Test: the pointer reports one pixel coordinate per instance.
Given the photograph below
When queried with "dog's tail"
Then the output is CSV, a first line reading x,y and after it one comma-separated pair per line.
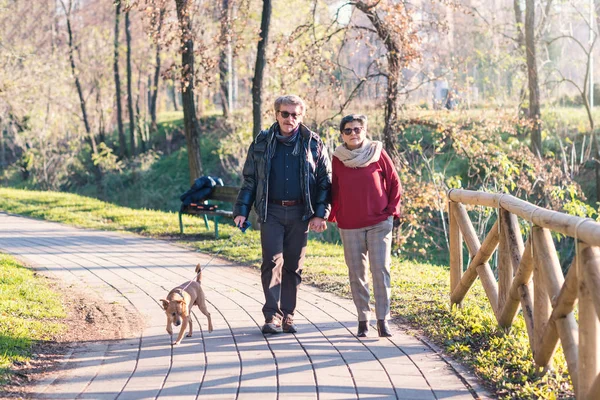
x,y
198,273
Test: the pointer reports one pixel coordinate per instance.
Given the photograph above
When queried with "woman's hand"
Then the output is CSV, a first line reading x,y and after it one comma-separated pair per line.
x,y
317,224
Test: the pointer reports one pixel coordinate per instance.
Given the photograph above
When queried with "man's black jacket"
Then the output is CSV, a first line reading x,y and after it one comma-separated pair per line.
x,y
315,175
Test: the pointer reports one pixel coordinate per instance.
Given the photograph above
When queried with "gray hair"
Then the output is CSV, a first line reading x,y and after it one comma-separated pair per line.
x,y
291,100
353,117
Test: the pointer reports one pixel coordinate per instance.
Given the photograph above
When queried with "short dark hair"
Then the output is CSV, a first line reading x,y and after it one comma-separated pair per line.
x,y
353,117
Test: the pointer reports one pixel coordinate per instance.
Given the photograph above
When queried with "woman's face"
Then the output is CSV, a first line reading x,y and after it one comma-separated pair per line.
x,y
354,134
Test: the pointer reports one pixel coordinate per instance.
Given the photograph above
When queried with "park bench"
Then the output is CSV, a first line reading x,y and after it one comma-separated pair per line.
x,y
223,194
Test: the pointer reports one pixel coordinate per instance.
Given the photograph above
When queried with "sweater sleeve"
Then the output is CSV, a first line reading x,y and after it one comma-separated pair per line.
x,y
394,187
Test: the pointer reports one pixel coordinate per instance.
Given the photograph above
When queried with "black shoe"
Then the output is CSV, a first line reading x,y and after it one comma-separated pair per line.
x,y
272,325
288,324
363,328
383,328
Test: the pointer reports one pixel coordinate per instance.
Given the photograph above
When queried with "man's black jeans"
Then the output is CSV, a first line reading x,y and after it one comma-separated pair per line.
x,y
283,237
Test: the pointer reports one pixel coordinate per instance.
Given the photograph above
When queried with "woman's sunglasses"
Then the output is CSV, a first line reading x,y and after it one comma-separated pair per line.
x,y
349,131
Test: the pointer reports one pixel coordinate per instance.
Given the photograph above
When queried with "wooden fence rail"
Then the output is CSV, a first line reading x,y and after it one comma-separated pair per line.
x,y
529,277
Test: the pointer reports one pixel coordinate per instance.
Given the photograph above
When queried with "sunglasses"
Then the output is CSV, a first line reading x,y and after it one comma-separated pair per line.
x,y
349,131
285,114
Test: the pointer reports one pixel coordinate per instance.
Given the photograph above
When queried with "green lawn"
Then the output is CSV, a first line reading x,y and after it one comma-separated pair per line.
x,y
420,291
29,311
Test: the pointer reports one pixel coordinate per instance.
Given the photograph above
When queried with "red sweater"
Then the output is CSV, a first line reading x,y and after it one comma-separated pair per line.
x,y
366,196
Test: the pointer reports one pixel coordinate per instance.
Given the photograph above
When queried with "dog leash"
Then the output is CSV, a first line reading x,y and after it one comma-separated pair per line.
x,y
242,228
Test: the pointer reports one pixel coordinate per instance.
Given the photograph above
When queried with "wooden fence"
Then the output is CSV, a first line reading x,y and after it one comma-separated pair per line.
x,y
529,277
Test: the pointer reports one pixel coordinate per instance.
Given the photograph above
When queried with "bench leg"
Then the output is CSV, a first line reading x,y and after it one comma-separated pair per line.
x,y
180,224
206,222
216,226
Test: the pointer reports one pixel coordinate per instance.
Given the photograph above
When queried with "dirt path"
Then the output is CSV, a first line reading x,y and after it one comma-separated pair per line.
x,y
89,318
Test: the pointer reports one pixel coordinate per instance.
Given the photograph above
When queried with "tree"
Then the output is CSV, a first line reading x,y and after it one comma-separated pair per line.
x,y
190,120
82,101
532,78
392,24
2,149
122,144
259,69
158,16
226,60
132,137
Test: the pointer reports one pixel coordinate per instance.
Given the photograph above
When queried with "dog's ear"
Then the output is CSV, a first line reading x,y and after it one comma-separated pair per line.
x,y
165,303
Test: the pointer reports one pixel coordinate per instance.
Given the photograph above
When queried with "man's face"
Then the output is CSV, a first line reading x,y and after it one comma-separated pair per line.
x,y
289,117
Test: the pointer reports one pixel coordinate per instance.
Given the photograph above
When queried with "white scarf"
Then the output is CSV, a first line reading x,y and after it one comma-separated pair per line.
x,y
368,153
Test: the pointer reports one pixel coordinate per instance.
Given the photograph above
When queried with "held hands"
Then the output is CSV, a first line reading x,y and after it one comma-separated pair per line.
x,y
317,224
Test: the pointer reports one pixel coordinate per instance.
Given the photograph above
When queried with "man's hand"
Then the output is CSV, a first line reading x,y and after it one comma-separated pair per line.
x,y
239,220
317,224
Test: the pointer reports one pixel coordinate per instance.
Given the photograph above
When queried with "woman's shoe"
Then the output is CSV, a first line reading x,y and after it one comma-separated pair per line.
x,y
383,328
363,329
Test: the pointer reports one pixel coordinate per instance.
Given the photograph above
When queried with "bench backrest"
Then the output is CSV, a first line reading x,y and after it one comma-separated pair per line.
x,y
224,193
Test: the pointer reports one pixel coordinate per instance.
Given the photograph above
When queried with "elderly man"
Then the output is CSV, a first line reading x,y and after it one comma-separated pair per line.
x,y
287,176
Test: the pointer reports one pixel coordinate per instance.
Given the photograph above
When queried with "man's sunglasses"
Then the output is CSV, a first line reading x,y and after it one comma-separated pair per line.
x,y
349,131
285,114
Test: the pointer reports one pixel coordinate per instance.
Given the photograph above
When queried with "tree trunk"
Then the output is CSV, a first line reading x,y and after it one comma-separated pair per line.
x,y
122,143
225,57
519,23
82,102
100,112
132,136
174,96
259,68
2,148
90,137
190,121
393,55
154,87
390,140
532,76
141,126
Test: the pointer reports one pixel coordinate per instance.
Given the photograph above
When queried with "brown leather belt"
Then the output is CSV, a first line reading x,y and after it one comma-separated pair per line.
x,y
286,203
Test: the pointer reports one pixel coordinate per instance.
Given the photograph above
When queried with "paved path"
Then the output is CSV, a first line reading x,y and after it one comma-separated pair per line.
x,y
322,361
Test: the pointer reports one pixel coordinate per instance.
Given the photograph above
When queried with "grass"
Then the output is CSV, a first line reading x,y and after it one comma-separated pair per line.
x,y
420,291
29,311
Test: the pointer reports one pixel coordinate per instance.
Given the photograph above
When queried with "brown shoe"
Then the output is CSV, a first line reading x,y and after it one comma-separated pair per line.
x,y
288,324
272,325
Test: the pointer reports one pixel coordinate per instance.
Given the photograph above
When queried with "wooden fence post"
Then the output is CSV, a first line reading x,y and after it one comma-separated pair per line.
x,y
509,254
561,321
520,293
478,266
562,313
456,248
544,261
589,326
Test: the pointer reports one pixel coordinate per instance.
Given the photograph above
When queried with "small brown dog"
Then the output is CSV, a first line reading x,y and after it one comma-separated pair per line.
x,y
179,303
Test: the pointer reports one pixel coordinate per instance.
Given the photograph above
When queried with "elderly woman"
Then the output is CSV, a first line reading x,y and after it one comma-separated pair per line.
x,y
365,199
